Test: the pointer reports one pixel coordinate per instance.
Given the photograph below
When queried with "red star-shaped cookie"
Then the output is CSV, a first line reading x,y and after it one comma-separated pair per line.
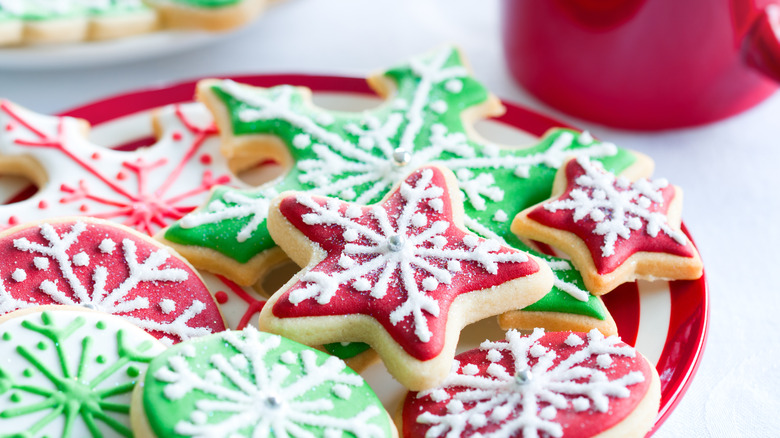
x,y
402,275
614,230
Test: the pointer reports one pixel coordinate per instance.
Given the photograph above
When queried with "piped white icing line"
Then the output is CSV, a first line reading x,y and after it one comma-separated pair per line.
x,y
116,300
286,403
342,165
396,263
529,408
616,205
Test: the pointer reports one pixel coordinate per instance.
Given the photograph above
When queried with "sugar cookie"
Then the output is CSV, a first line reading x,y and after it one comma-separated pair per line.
x,y
60,21
614,230
212,15
253,384
109,268
558,384
146,189
402,275
63,21
69,372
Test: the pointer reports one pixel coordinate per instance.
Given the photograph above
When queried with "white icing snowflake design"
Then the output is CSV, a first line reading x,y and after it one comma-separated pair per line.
x,y
260,396
524,400
411,252
616,205
95,295
352,170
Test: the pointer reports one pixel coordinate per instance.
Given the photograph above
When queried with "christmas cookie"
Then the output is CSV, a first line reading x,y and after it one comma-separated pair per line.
x,y
431,104
49,21
108,268
212,15
402,275
253,384
558,384
146,189
61,21
69,372
614,230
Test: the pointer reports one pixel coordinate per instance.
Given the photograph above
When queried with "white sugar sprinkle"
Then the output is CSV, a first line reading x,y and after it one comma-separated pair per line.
x,y
107,246
19,275
41,263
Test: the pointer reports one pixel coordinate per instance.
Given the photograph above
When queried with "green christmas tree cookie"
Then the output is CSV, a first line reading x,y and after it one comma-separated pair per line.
x,y
431,104
253,384
69,372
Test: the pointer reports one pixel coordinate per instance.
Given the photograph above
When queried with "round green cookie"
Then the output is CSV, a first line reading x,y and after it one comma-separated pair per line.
x,y
253,384
69,372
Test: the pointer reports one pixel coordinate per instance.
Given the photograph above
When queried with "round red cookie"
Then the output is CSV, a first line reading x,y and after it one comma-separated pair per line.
x,y
558,384
106,267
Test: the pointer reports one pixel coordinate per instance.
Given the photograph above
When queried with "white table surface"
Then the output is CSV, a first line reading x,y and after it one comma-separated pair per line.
x,y
729,169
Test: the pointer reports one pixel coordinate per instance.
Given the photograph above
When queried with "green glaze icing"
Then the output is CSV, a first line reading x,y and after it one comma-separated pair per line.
x,y
208,4
41,10
355,157
252,384
346,350
69,395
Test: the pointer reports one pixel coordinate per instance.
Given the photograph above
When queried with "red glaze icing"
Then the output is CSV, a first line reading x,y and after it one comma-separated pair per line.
x,y
575,424
185,293
348,300
584,228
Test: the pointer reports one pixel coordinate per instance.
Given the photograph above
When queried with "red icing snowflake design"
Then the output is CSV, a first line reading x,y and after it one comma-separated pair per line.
x,y
543,385
614,217
104,267
146,189
402,262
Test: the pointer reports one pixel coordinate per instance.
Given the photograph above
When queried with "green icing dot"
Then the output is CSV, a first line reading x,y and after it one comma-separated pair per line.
x,y
347,350
42,345
100,359
133,371
16,397
100,325
6,336
27,372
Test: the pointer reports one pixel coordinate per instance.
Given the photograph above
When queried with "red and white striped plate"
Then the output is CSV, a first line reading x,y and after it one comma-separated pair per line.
x,y
666,321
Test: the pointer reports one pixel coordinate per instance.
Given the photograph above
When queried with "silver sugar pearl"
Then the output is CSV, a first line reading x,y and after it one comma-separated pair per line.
x,y
395,243
273,401
401,157
524,376
89,306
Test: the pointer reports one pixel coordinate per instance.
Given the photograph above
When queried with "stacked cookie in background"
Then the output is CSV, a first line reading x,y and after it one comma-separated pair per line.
x,y
61,21
407,227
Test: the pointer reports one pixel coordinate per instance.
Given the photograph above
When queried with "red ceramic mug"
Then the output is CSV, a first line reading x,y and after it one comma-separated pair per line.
x,y
645,64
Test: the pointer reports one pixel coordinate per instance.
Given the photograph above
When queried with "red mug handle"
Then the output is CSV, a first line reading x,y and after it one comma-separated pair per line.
x,y
762,43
